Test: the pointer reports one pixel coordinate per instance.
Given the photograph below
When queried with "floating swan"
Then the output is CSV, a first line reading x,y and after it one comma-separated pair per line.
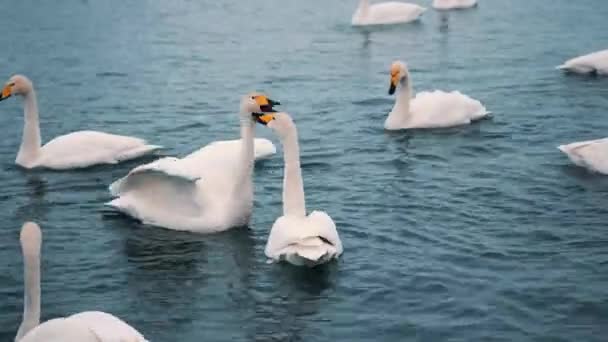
x,y
89,326
428,109
74,150
593,63
453,4
207,191
294,237
385,13
590,154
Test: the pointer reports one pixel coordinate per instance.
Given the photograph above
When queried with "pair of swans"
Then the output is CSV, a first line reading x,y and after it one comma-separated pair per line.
x,y
434,109
89,326
74,150
590,154
393,12
211,190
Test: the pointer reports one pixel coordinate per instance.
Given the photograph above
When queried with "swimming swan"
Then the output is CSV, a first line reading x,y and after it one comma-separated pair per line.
x,y
89,326
385,13
296,238
74,150
593,63
428,109
207,191
590,154
453,4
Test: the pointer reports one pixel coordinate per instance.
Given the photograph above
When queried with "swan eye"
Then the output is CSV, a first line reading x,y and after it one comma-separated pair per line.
x,y
253,97
12,84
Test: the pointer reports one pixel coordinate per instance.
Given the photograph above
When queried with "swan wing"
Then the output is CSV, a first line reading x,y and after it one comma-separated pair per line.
x,y
304,240
591,154
61,330
86,148
445,109
593,62
107,328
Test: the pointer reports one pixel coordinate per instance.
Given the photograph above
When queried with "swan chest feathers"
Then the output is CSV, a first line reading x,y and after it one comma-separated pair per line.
x,y
437,109
591,154
86,148
304,241
387,13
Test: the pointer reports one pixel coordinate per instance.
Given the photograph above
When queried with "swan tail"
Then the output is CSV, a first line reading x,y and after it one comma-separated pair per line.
x,y
137,152
309,252
264,148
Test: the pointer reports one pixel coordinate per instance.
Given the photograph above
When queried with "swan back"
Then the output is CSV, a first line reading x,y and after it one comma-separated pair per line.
x,y
107,327
61,330
594,62
386,13
453,4
443,109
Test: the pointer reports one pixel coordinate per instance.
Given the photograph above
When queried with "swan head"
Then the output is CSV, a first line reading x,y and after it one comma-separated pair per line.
x,y
399,74
16,85
256,103
281,122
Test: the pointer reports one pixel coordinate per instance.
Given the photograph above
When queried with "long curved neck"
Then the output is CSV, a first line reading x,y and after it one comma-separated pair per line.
x,y
30,140
363,7
246,156
31,295
294,203
401,110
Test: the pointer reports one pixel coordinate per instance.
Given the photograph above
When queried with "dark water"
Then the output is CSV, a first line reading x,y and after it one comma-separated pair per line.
x,y
479,233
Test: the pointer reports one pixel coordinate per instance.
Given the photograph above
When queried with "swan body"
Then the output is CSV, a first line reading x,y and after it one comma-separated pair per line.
x,y
89,326
596,62
453,4
386,13
591,154
299,239
74,150
208,191
428,109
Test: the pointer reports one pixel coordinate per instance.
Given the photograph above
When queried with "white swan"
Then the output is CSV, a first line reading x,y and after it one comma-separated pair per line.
x,y
74,150
453,4
385,13
590,154
89,326
207,191
428,109
596,62
294,237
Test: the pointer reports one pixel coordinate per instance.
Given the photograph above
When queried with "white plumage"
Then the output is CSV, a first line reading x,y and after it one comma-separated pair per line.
x,y
596,62
385,13
590,154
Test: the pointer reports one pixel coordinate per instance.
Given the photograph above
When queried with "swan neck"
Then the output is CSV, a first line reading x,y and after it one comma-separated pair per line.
x,y
31,295
246,155
30,140
294,203
401,110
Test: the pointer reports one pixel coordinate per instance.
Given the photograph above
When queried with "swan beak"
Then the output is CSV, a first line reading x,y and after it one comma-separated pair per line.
x,y
6,92
394,81
263,118
266,104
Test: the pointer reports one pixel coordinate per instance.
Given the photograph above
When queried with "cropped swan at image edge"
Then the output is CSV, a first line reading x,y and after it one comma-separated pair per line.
x,y
590,154
453,4
593,63
88,326
299,239
386,13
207,191
428,109
74,150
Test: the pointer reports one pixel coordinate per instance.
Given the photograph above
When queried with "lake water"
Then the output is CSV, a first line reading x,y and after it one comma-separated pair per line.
x,y
478,233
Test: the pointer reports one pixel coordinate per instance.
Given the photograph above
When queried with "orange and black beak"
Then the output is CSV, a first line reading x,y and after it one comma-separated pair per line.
x,y
6,92
263,118
394,81
266,104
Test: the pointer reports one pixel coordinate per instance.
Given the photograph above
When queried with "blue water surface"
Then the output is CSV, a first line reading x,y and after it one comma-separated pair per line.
x,y
477,233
